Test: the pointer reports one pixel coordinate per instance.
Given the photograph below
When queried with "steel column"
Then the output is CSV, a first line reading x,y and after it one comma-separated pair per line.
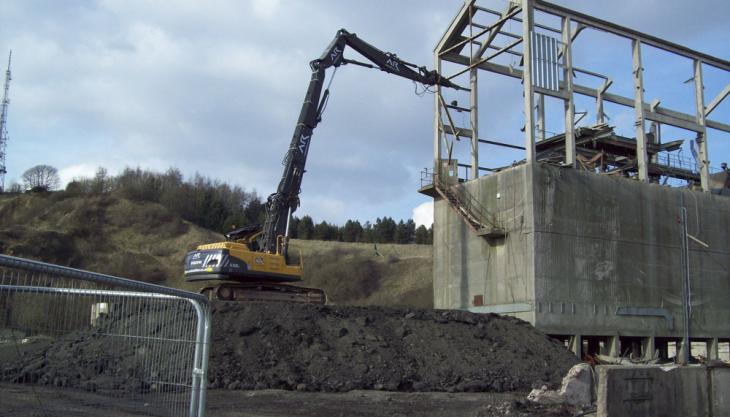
x,y
638,73
569,103
529,104
702,135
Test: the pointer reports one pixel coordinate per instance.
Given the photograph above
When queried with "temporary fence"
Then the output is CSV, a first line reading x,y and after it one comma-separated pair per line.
x,y
115,342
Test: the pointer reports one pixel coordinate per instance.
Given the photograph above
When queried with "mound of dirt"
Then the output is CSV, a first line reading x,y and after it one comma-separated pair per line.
x,y
338,348
316,348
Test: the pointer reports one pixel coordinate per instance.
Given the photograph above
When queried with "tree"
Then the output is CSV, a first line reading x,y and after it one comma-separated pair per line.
x,y
41,178
294,227
352,231
368,232
15,188
305,228
422,235
385,230
405,232
102,183
325,231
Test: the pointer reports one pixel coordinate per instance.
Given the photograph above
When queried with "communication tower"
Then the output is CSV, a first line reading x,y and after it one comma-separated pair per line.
x,y
4,124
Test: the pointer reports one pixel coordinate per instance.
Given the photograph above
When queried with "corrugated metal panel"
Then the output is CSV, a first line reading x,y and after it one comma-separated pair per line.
x,y
545,62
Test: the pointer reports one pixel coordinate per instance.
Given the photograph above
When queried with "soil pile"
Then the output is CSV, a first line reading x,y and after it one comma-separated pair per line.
x,y
311,348
339,348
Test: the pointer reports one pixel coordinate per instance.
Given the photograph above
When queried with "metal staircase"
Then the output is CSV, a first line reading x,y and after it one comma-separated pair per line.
x,y
467,205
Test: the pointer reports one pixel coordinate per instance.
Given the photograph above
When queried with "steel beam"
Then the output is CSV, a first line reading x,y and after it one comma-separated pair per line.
x,y
700,102
457,25
510,12
529,99
638,75
661,115
437,119
717,100
569,104
625,32
473,101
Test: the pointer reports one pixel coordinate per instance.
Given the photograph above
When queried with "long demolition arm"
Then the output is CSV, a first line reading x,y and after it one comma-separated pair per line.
x,y
281,204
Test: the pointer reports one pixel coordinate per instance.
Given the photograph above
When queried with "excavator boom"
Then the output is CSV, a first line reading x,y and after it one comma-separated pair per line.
x,y
260,255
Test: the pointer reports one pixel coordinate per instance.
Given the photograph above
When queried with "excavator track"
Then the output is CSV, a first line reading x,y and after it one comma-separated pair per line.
x,y
264,291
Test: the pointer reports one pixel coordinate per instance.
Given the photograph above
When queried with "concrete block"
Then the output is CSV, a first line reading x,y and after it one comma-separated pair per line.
x,y
720,381
642,391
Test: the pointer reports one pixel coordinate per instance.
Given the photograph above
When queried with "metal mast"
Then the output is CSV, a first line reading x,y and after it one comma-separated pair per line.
x,y
3,125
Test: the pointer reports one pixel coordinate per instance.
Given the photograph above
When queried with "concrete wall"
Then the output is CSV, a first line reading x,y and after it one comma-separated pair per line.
x,y
606,242
638,391
466,265
578,246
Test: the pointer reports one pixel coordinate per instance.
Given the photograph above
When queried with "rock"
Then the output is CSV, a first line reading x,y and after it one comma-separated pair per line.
x,y
576,388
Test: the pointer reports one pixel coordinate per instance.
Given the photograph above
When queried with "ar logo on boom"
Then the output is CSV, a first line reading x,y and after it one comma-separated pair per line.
x,y
303,142
393,64
335,55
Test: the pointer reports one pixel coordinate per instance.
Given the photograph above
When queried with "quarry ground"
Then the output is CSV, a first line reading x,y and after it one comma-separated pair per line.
x,y
282,359
23,401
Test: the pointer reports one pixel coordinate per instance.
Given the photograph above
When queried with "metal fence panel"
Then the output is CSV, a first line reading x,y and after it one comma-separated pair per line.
x,y
146,346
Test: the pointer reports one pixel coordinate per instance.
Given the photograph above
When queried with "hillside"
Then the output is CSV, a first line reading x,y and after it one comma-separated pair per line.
x,y
145,241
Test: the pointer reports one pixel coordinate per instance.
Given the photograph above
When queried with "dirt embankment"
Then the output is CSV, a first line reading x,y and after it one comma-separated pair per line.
x,y
103,233
317,348
337,348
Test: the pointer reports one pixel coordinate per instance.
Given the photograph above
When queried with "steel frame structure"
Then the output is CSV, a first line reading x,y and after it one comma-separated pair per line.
x,y
472,33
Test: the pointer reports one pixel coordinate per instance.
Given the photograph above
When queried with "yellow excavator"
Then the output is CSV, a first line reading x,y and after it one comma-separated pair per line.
x,y
253,263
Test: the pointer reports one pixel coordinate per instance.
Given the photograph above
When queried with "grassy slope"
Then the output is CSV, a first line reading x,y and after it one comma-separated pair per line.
x,y
142,241
357,274
145,241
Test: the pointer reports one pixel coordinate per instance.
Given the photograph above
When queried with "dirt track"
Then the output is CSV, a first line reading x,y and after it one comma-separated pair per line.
x,y
24,401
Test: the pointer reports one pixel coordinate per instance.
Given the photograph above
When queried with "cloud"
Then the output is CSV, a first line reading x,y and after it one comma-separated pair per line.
x,y
73,172
423,214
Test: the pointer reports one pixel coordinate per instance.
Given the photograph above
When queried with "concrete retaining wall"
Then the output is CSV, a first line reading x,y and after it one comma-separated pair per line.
x,y
580,246
646,391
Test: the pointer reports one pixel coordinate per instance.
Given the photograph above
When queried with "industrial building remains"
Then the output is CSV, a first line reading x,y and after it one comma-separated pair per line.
x,y
608,225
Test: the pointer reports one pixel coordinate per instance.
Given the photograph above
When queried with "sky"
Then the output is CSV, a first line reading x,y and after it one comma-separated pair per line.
x,y
215,87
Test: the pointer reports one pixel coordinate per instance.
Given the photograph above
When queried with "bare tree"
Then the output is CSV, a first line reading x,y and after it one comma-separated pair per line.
x,y
41,178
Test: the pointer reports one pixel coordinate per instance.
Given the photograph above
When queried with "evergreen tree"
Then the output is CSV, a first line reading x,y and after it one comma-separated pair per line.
x,y
293,227
385,230
422,235
305,228
352,231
